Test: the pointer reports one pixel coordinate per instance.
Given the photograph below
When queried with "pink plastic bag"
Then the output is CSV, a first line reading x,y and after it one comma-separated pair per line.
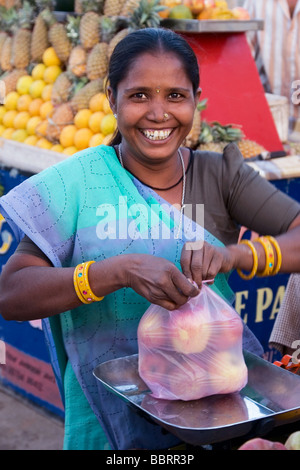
x,y
192,352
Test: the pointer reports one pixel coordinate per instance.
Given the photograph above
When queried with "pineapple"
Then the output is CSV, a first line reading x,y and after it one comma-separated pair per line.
x,y
145,14
3,37
115,40
90,29
39,39
129,7
81,98
113,7
250,148
97,63
6,54
192,138
141,14
57,35
62,116
8,19
21,43
62,89
214,137
77,7
78,55
77,61
10,79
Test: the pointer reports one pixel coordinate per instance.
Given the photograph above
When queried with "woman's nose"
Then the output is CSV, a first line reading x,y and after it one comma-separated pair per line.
x,y
157,111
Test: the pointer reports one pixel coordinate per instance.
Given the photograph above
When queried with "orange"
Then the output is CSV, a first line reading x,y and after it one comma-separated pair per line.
x,y
6,134
2,129
23,84
32,124
41,128
2,112
107,139
24,102
46,93
36,88
95,121
8,118
97,139
38,71
11,100
96,102
106,106
46,109
108,124
31,140
50,57
82,138
81,118
180,12
35,106
19,135
21,119
43,143
57,148
66,137
51,73
70,150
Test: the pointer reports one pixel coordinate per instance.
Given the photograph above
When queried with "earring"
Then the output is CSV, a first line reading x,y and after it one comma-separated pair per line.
x,y
115,115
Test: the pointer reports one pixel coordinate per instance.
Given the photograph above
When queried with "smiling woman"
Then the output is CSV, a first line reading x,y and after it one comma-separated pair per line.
x,y
114,228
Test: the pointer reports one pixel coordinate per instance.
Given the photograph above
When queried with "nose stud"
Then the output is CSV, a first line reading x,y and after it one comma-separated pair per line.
x,y
166,116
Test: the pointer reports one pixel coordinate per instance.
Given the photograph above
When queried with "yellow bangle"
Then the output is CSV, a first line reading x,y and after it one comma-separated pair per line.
x,y
269,253
81,283
251,275
75,276
278,253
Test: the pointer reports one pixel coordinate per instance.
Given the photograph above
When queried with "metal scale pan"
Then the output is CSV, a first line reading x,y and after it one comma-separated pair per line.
x,y
270,399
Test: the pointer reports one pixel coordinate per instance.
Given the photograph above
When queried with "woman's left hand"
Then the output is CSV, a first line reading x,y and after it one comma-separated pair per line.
x,y
201,261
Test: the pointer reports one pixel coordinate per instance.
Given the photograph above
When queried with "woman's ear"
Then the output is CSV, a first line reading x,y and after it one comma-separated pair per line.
x,y
197,95
111,99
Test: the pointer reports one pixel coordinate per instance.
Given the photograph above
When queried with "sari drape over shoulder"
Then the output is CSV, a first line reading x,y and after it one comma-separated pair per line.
x,y
89,208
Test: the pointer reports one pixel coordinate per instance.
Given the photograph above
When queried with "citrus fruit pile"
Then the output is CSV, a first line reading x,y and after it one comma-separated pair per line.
x,y
92,126
28,109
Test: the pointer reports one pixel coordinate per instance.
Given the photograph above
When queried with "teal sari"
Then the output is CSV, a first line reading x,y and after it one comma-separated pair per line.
x,y
89,208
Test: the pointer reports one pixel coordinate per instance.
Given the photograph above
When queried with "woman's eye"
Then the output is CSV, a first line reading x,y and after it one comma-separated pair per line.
x,y
139,96
175,96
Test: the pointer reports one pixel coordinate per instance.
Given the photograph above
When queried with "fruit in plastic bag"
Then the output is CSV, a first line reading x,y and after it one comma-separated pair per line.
x,y
293,441
262,444
194,351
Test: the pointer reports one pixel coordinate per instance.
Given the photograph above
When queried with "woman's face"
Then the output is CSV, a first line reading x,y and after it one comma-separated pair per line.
x,y
155,86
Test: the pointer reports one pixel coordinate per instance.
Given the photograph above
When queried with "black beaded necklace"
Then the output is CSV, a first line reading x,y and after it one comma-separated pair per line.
x,y
163,189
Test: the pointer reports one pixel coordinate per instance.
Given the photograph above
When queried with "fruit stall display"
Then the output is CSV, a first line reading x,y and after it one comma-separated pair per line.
x,y
54,71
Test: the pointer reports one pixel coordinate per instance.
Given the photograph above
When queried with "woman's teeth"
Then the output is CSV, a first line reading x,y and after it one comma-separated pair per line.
x,y
157,135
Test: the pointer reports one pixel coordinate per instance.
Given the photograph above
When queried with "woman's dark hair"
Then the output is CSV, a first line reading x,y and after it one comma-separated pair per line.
x,y
149,40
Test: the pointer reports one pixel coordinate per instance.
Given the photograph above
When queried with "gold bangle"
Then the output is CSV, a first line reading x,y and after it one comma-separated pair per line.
x,y
81,283
269,253
278,253
251,275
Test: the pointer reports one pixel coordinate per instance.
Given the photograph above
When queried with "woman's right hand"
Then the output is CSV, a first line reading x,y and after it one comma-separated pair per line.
x,y
158,280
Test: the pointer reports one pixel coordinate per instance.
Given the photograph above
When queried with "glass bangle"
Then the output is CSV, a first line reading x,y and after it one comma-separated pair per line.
x,y
252,273
278,253
269,253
